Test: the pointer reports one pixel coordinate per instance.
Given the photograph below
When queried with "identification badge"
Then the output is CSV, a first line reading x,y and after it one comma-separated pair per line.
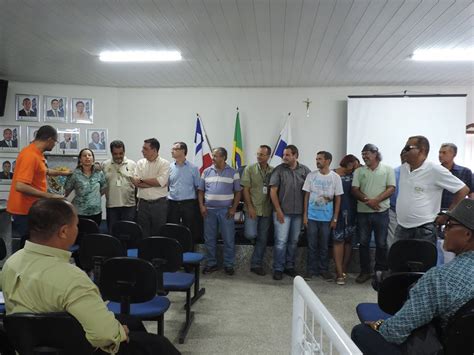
x,y
119,182
264,190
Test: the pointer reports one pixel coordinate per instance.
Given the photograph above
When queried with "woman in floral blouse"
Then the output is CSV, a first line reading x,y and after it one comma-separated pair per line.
x,y
89,185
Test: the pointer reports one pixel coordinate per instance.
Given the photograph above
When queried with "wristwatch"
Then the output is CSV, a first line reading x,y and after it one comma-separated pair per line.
x,y
377,324
141,181
334,219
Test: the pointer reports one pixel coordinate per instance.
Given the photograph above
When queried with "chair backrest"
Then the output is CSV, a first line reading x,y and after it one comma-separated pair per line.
x,y
458,335
3,249
128,280
394,290
98,247
179,232
415,255
47,333
128,232
86,226
166,252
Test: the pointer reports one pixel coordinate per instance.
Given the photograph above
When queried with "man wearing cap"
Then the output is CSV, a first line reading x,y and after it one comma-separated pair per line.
x,y
420,190
373,184
440,293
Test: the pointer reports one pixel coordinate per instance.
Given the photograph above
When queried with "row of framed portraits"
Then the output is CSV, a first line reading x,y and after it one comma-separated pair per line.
x,y
69,139
60,109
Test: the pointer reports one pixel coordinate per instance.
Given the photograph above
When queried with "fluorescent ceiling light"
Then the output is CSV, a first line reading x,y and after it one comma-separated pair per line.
x,y
454,54
140,56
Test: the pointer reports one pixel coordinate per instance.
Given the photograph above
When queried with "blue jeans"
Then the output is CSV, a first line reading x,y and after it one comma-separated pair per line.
x,y
19,225
318,245
116,214
367,223
286,241
427,231
371,342
216,217
257,229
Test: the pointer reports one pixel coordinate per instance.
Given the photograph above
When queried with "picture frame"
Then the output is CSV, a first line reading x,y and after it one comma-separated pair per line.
x,y
97,140
30,133
10,138
6,177
68,140
27,107
55,109
82,110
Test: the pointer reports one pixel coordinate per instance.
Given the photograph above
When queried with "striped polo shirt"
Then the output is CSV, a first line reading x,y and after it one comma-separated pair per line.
x,y
219,186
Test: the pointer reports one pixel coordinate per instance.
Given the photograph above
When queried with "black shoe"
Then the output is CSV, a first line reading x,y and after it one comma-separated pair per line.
x,y
363,277
277,275
326,275
229,271
209,269
291,272
258,270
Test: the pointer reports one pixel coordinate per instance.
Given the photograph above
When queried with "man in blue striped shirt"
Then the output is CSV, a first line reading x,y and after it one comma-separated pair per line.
x,y
219,196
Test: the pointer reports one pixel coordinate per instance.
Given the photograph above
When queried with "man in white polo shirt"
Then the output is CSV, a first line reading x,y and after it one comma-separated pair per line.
x,y
420,190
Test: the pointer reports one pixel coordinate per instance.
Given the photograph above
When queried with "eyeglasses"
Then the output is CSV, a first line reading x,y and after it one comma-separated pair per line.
x,y
407,148
261,155
177,148
451,224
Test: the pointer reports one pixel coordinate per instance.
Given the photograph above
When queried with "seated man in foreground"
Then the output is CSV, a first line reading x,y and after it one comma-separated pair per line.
x,y
437,294
40,279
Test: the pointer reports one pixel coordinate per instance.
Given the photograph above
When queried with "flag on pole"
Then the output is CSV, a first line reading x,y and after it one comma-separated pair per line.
x,y
202,148
283,140
237,149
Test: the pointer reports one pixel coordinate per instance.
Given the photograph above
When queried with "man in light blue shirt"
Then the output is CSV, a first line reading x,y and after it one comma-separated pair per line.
x,y
183,183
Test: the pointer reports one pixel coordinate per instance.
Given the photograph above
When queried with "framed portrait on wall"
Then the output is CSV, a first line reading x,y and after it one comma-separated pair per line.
x,y
27,107
55,109
10,138
97,140
31,133
68,139
7,168
82,111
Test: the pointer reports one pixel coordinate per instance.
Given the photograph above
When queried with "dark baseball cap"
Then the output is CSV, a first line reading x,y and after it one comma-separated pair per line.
x,y
369,147
463,213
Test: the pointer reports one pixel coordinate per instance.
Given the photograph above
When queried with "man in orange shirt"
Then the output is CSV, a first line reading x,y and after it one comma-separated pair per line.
x,y
29,180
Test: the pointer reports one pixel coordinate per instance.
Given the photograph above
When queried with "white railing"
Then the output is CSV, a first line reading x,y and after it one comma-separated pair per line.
x,y
314,330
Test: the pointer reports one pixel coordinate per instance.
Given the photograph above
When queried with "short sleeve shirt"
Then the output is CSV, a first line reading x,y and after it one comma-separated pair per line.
x,y
290,187
256,179
322,189
219,186
120,190
372,183
31,170
87,188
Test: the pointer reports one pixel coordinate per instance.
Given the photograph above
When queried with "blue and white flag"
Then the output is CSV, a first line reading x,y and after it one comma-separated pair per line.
x,y
283,141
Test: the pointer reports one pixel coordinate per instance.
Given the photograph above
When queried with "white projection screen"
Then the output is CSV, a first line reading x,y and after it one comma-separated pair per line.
x,y
388,121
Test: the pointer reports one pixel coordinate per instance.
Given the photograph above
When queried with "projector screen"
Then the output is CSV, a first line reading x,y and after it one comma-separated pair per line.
x,y
387,122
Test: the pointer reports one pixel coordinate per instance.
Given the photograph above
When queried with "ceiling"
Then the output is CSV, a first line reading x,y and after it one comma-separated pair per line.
x,y
235,43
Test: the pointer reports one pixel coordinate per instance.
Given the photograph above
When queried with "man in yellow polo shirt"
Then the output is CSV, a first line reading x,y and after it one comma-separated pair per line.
x,y
40,279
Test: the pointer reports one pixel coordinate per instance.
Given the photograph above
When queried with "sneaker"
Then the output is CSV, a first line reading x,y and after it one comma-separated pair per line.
x,y
363,277
340,281
291,272
308,276
209,269
277,275
229,271
258,270
326,275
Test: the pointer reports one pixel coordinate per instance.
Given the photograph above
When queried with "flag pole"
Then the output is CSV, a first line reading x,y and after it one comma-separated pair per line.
x,y
279,136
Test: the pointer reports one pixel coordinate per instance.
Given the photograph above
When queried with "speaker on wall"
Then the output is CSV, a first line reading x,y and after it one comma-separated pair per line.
x,y
3,96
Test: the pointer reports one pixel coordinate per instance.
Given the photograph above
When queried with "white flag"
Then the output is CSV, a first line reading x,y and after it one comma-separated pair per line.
x,y
202,148
283,141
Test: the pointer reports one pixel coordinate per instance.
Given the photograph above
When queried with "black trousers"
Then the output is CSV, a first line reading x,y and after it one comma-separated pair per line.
x,y
186,212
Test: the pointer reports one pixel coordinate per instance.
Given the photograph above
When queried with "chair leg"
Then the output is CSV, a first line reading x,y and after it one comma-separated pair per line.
x,y
161,325
198,292
189,318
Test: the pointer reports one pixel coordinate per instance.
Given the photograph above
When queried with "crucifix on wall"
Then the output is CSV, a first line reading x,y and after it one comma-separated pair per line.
x,y
307,102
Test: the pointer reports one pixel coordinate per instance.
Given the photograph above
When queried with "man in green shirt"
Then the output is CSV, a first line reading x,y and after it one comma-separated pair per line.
x,y
258,208
40,279
373,184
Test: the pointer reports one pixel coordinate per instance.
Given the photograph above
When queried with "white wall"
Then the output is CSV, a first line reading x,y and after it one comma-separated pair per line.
x,y
170,114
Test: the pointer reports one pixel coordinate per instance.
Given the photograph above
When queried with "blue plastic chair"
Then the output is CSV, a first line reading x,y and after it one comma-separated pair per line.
x,y
166,254
129,233
191,259
131,285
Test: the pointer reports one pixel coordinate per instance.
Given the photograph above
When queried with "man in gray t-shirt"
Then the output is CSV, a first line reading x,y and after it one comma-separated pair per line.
x,y
287,196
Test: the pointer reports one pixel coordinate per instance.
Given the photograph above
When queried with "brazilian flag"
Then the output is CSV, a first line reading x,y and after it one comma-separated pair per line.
x,y
237,150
